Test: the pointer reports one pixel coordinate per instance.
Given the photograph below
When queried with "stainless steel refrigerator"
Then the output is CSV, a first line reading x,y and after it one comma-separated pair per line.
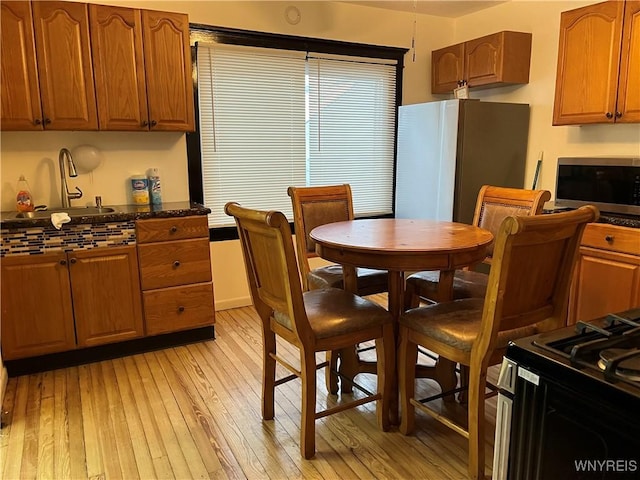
x,y
448,149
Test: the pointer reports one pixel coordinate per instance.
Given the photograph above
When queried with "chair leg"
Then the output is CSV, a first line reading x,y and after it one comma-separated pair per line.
x,y
411,297
477,384
268,373
308,420
386,366
330,376
407,359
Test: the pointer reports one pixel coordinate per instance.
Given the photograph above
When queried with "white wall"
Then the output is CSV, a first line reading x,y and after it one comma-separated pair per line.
x,y
35,153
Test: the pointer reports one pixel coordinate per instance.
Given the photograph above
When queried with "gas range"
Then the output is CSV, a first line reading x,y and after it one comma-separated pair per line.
x,y
607,349
568,403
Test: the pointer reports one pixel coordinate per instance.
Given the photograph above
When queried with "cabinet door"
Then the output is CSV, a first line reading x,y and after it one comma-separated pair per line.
x,y
167,57
447,68
37,316
20,90
605,282
106,295
588,64
118,65
499,59
629,84
64,65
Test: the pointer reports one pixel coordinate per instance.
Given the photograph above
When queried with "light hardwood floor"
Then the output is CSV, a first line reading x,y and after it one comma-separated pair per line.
x,y
194,412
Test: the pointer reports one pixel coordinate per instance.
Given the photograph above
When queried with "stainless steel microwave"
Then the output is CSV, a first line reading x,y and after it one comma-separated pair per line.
x,y
611,184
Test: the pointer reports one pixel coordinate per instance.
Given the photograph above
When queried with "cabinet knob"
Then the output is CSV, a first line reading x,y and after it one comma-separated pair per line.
x,y
176,264
618,114
609,115
72,261
153,123
145,123
180,309
63,262
47,121
173,229
37,121
609,238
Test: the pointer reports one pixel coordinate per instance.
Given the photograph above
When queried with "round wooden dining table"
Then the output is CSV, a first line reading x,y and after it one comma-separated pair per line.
x,y
399,246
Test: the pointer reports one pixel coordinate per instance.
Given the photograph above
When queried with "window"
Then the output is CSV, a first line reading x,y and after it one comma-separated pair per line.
x,y
274,117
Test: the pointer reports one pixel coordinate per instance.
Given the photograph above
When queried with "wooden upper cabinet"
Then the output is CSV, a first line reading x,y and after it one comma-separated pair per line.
x,y
20,105
629,83
599,65
64,65
447,66
118,65
142,65
495,60
167,58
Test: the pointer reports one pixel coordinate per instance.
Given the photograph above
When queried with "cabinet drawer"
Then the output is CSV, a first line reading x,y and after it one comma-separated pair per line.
x,y
612,237
165,229
178,308
168,264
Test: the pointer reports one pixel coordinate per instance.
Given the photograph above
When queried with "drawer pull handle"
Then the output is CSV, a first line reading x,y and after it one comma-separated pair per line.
x,y
176,264
173,229
180,309
609,238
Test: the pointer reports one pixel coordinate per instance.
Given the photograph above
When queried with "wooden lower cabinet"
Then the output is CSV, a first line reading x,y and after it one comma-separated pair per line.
x,y
175,267
607,277
106,295
61,301
37,314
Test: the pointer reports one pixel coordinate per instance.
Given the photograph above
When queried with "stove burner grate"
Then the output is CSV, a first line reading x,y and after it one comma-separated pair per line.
x,y
620,363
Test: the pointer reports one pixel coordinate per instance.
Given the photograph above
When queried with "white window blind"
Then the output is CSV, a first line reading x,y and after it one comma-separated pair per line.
x,y
270,119
352,129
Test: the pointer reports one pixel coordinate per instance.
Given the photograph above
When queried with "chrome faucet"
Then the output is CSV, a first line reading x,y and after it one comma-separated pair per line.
x,y
65,194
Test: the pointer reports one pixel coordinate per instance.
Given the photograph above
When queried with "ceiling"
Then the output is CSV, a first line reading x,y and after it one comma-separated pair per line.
x,y
453,9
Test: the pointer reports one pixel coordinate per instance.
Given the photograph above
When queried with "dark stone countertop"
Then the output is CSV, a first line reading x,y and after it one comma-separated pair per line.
x,y
631,221
121,213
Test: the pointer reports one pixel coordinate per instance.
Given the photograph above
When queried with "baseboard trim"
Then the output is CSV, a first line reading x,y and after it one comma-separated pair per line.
x,y
234,303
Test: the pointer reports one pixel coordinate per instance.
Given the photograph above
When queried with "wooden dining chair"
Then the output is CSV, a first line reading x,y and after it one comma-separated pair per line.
x,y
494,204
528,292
315,206
314,321
312,207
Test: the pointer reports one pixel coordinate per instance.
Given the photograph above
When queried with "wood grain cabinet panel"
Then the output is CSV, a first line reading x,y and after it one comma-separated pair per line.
x,y
175,273
607,277
168,70
37,314
598,75
118,65
61,301
106,295
20,104
491,61
142,65
64,65
178,308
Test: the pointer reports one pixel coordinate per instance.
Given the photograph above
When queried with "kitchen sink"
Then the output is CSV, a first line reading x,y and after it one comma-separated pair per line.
x,y
72,211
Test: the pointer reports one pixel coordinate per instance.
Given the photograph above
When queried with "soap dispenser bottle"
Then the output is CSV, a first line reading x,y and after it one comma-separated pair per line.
x,y
24,199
